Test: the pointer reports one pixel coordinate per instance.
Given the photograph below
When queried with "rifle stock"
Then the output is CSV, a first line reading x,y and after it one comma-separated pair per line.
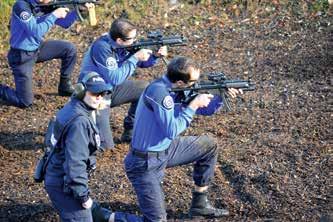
x,y
49,7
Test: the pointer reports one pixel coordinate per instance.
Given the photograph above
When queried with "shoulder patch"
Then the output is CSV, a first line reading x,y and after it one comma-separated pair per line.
x,y
25,16
111,63
168,102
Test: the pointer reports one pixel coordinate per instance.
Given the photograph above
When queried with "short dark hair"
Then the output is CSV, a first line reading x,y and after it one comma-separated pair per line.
x,y
120,28
179,69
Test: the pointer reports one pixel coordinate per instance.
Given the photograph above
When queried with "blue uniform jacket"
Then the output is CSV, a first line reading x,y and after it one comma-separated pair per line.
x,y
114,64
160,117
76,150
28,24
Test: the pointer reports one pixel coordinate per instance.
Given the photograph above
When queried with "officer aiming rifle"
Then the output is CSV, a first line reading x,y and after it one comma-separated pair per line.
x,y
157,39
108,56
160,146
73,4
216,81
29,24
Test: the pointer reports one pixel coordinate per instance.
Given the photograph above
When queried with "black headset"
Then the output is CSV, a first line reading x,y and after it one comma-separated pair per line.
x,y
81,88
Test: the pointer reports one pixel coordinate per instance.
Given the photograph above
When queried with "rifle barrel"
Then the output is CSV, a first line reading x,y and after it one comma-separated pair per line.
x,y
243,85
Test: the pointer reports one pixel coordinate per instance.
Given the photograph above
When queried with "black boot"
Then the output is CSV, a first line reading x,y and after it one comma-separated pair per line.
x,y
4,102
99,213
201,207
65,87
126,137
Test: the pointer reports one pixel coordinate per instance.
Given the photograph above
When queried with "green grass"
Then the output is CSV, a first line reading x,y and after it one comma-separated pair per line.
x,y
5,9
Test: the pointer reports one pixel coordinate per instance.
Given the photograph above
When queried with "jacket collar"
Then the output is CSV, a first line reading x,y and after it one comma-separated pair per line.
x,y
113,43
166,81
82,106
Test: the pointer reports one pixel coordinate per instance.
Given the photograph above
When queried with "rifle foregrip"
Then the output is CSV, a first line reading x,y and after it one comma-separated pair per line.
x,y
172,41
244,85
237,85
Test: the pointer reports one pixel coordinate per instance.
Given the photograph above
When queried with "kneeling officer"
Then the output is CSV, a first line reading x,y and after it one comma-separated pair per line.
x,y
76,141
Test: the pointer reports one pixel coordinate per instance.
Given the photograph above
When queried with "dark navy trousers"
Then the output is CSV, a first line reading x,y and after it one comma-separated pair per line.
x,y
146,170
22,63
127,92
68,208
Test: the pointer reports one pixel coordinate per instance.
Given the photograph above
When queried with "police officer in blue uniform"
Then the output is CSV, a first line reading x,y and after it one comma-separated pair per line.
x,y
76,140
156,144
28,25
115,64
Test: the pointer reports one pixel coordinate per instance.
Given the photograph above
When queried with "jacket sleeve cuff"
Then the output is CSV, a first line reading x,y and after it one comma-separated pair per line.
x,y
133,60
83,199
52,17
188,110
188,114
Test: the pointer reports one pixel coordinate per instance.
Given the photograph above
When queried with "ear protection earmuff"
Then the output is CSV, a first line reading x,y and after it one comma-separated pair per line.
x,y
80,88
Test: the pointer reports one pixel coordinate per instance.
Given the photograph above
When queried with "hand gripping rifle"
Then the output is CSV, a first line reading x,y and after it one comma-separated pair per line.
x,y
156,38
216,81
76,4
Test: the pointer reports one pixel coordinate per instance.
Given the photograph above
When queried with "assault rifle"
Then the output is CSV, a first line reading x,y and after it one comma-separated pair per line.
x,y
216,81
50,7
156,38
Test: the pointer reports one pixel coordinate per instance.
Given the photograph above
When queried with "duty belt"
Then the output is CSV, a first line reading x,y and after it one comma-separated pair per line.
x,y
148,154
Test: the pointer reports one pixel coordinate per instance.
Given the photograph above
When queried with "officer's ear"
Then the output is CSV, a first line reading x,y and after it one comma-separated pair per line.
x,y
180,83
80,88
119,41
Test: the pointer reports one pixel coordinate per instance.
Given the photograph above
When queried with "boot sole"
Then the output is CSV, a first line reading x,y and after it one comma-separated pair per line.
x,y
198,215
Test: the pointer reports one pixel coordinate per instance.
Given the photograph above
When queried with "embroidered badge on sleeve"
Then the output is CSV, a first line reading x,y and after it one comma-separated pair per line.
x,y
111,63
168,102
25,16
